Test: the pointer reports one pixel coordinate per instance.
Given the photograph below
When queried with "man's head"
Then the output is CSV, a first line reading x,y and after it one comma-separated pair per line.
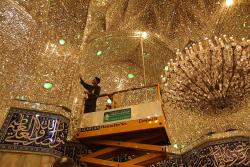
x,y
96,81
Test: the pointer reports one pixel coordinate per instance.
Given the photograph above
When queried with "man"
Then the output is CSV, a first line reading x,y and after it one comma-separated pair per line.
x,y
93,92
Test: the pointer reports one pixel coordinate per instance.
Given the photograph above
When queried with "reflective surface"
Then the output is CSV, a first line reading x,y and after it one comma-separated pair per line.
x,y
53,41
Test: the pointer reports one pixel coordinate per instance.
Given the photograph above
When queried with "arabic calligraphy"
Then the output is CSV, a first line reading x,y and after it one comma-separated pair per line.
x,y
225,154
74,150
31,128
228,152
169,161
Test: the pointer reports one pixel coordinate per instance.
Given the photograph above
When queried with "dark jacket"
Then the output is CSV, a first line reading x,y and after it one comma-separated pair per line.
x,y
94,93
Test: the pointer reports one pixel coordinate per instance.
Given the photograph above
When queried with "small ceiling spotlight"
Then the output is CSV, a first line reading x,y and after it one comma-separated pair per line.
x,y
141,34
144,35
229,2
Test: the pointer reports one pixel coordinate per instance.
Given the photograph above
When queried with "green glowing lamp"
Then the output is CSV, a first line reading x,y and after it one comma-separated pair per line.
x,y
99,53
48,85
130,76
61,41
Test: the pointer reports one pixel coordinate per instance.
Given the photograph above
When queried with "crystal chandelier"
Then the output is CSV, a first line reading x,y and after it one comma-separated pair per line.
x,y
213,75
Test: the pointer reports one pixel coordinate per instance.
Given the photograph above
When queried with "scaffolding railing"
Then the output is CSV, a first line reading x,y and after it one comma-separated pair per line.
x,y
129,97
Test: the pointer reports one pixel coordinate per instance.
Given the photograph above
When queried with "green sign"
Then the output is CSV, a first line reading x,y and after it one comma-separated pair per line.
x,y
117,115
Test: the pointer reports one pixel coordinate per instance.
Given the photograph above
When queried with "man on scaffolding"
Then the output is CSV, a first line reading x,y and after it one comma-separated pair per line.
x,y
93,92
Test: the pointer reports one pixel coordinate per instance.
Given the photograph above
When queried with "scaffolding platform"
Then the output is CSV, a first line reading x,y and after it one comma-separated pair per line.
x,y
125,136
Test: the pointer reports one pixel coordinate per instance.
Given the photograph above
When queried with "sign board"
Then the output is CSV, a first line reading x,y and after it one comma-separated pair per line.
x,y
121,127
117,115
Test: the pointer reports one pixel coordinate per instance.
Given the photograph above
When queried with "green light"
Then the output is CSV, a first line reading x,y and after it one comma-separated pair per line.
x,y
61,41
130,76
109,101
166,68
99,53
47,85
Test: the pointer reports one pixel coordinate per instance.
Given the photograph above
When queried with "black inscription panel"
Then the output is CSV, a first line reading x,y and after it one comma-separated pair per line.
x,y
33,131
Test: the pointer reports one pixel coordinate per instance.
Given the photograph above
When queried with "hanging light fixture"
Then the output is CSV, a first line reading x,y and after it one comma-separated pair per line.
x,y
214,75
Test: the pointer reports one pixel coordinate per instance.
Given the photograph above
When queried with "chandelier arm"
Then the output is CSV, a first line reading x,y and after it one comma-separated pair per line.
x,y
193,81
222,69
203,71
233,72
198,57
185,101
214,82
205,83
200,95
182,96
210,64
176,90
